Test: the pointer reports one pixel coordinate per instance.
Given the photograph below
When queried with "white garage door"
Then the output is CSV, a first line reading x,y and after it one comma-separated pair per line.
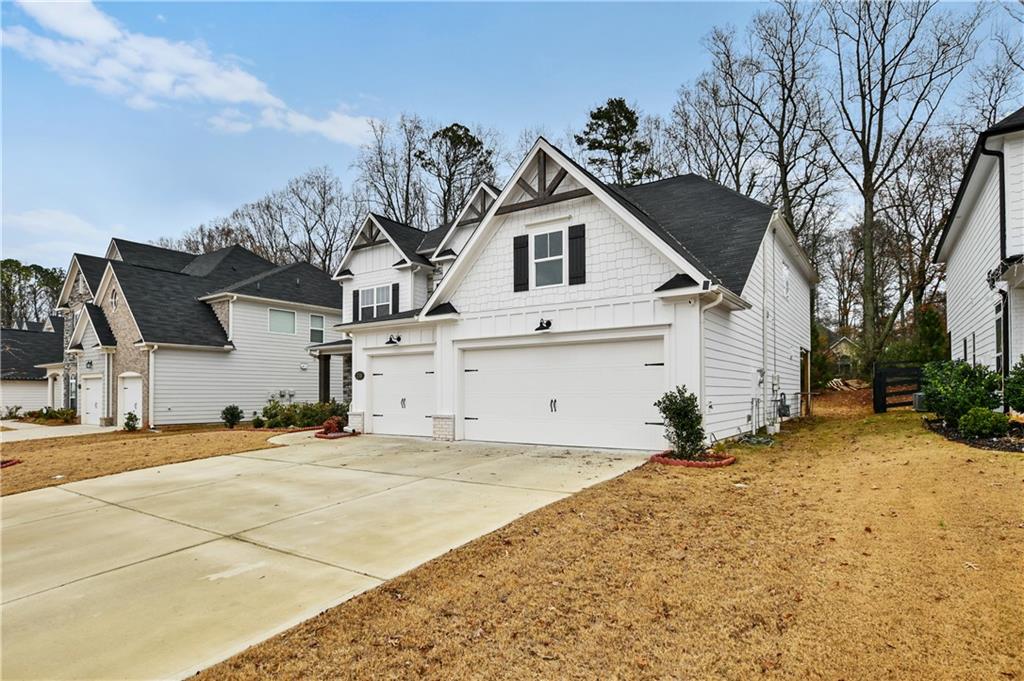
x,y
130,400
402,394
91,397
588,395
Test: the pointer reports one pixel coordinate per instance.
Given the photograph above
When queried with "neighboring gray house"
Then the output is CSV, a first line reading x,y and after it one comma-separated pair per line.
x,y
982,248
175,337
26,354
558,309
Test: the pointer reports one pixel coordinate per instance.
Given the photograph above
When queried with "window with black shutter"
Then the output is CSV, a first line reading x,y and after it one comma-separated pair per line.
x,y
355,305
577,254
521,263
394,298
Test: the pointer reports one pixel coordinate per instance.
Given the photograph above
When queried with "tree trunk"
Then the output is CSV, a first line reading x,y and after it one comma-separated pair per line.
x,y
868,292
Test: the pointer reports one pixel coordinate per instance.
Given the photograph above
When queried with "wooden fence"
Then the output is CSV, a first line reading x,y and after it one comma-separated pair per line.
x,y
894,385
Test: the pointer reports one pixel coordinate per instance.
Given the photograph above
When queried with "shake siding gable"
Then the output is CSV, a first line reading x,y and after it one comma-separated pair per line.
x,y
970,301
194,386
620,262
372,267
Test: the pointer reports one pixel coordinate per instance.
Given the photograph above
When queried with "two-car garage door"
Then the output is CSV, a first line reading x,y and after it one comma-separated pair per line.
x,y
586,394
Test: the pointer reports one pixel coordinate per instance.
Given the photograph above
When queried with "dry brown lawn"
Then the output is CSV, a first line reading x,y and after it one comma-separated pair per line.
x,y
56,461
858,547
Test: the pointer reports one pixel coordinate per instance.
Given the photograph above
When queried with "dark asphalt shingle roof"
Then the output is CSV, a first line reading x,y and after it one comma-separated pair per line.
x,y
408,239
92,268
432,238
298,282
21,351
1014,121
226,265
722,228
167,308
155,257
385,318
100,325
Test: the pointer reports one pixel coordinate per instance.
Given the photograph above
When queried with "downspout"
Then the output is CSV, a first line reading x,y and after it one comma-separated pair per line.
x,y
1003,258
705,403
152,385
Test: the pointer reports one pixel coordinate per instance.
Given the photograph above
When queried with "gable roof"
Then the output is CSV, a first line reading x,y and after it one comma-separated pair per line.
x,y
100,325
298,282
21,351
148,255
721,228
166,306
408,239
432,238
92,269
1012,123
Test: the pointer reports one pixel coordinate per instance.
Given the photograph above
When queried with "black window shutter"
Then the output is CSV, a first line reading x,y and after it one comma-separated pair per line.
x,y
521,263
394,298
577,254
355,305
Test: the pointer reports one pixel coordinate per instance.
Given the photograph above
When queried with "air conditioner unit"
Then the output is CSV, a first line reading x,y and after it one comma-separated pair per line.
x,y
919,404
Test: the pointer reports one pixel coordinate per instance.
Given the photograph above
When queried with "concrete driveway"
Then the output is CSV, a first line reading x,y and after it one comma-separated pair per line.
x,y
33,431
160,572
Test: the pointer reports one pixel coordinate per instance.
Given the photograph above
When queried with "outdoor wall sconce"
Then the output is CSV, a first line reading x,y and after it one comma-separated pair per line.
x,y
393,340
88,364
544,325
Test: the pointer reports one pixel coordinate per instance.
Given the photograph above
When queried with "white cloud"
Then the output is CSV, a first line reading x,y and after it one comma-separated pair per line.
x,y
93,50
161,18
48,236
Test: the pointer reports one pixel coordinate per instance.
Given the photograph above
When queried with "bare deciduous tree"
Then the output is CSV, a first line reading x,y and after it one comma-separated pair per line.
x,y
389,173
894,63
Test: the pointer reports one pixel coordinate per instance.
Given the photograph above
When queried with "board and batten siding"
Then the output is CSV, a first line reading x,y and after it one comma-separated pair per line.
x,y
193,386
970,303
374,266
737,344
29,395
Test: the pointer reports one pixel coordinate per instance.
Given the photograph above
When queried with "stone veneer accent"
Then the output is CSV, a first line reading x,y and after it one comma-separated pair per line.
x,y
444,428
127,357
79,295
346,379
222,308
355,421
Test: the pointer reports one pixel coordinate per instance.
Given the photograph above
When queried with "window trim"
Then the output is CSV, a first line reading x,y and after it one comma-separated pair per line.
x,y
546,230
322,329
113,299
294,330
376,302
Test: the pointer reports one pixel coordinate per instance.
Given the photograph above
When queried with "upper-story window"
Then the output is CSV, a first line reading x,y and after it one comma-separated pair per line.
x,y
548,259
113,299
316,328
374,302
282,321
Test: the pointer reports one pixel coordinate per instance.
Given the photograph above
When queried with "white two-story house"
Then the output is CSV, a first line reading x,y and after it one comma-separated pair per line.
x,y
982,248
559,309
175,337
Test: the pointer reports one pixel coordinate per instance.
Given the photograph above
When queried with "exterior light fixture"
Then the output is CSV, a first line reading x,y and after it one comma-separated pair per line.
x,y
88,364
393,340
544,325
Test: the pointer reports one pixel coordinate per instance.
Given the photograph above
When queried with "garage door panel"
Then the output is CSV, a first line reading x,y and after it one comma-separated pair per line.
x,y
604,392
402,394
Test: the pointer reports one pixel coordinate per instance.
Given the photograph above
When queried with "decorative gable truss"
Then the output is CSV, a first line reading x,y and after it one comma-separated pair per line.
x,y
468,219
547,176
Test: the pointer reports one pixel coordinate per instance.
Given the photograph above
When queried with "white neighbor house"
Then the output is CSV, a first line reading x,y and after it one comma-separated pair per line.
x,y
983,250
557,311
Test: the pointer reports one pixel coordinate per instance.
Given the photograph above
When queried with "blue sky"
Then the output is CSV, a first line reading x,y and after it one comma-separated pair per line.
x,y
145,119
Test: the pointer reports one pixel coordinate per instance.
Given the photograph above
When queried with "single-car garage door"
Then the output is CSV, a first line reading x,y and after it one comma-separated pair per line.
x,y
586,394
402,394
92,400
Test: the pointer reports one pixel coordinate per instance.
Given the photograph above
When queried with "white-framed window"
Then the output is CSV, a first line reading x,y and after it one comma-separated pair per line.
x,y
316,328
374,302
281,321
113,299
999,339
548,256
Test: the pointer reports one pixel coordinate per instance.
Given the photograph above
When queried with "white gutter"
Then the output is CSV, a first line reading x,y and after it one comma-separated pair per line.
x,y
719,297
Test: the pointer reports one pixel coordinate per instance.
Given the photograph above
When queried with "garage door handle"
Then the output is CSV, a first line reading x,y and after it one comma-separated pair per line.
x,y
403,403
551,406
556,405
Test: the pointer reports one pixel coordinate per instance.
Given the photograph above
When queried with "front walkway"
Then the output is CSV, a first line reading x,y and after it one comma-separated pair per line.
x,y
33,431
162,571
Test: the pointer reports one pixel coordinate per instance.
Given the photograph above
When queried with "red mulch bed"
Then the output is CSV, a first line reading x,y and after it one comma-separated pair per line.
x,y
710,460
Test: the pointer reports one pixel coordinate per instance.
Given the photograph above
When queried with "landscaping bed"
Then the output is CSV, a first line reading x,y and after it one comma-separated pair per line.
x,y
1012,442
44,463
856,547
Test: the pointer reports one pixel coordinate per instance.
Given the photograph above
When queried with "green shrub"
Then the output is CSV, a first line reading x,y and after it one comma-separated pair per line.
x,y
231,416
131,421
951,389
12,412
303,414
983,423
258,422
1013,389
683,422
